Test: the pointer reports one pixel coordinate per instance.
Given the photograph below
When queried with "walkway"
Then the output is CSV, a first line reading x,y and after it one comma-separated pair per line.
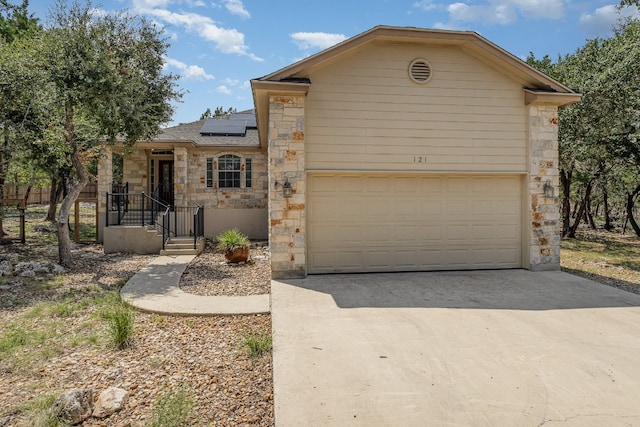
x,y
156,289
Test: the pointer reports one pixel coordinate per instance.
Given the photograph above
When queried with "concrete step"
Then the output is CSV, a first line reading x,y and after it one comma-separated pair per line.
x,y
182,246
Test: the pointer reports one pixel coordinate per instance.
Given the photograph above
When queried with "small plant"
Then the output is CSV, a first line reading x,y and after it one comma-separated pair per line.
x,y
234,244
120,319
231,239
258,343
172,408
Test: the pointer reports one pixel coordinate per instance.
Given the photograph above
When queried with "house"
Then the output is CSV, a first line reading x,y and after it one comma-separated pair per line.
x,y
407,149
400,149
217,164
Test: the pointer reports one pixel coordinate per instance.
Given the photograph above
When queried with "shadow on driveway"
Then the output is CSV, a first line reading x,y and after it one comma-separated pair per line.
x,y
482,289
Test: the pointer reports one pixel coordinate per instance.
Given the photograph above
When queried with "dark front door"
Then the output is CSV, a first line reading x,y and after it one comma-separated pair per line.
x,y
165,178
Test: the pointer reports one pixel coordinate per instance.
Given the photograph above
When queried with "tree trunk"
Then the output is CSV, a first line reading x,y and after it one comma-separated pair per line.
x,y
630,204
3,172
581,210
54,196
565,182
607,209
75,186
588,214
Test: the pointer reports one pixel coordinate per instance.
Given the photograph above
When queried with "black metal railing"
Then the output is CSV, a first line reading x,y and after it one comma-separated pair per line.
x,y
185,223
143,210
198,225
133,209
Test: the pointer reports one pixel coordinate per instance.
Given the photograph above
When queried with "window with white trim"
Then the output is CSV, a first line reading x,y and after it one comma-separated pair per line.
x,y
229,171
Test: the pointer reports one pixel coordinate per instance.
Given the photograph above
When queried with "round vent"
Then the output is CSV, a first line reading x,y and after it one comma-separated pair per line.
x,y
420,70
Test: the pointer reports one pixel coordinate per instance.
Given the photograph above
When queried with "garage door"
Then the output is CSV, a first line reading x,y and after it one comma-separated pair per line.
x,y
380,222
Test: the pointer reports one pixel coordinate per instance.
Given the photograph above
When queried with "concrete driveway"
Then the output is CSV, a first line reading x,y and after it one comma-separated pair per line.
x,y
481,348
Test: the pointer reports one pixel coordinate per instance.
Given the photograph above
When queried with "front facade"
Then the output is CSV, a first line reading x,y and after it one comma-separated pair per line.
x,y
404,149
217,164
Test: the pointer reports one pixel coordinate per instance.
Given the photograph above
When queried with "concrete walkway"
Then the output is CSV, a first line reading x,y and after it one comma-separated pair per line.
x,y
155,289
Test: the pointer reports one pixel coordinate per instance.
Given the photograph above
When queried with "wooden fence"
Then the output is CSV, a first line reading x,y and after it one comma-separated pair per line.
x,y
40,196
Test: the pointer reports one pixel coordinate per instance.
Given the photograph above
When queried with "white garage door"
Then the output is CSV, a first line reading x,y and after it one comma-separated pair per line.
x,y
379,222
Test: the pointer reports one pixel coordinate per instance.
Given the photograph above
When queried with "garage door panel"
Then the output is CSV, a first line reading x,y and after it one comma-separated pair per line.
x,y
370,222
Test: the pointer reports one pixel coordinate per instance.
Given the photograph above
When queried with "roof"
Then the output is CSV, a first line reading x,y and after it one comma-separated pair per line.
x,y
291,79
233,130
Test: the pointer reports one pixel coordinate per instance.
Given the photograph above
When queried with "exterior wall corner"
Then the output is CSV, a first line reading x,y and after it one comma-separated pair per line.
x,y
544,223
287,215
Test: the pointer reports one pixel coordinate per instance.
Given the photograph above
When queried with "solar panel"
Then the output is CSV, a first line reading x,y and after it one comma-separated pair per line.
x,y
248,119
223,127
232,125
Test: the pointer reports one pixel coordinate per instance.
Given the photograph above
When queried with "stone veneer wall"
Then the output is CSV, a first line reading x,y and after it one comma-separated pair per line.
x,y
135,170
105,178
544,213
180,177
233,198
287,223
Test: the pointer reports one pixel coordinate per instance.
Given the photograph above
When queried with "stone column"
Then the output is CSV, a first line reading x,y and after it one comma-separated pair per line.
x,y
544,212
105,179
287,224
180,178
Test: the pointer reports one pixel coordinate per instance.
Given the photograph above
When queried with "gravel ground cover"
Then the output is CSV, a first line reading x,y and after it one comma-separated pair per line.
x,y
65,342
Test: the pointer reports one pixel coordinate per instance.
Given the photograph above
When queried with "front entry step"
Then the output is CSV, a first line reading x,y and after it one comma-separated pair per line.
x,y
183,246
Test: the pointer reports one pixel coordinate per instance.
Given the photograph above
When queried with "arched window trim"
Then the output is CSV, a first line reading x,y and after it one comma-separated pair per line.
x,y
213,171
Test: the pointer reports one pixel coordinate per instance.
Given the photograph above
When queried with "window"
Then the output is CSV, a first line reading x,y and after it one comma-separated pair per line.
x,y
229,171
210,173
247,173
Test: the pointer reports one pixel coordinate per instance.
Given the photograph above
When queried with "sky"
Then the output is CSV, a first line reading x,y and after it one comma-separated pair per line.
x,y
218,46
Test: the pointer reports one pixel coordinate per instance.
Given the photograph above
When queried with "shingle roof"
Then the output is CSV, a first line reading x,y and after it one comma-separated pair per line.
x,y
191,132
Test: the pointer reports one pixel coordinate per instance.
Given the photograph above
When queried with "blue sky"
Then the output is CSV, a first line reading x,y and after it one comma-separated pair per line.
x,y
217,46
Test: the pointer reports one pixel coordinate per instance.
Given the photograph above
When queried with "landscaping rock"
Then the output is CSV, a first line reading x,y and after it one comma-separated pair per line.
x,y
110,401
74,406
5,268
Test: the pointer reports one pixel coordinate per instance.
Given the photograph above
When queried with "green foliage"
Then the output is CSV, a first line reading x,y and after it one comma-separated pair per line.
x,y
121,320
217,113
85,80
172,408
15,21
258,343
231,239
599,137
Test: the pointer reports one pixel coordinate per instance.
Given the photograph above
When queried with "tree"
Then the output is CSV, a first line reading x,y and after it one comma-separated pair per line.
x,y
104,74
217,113
599,136
15,24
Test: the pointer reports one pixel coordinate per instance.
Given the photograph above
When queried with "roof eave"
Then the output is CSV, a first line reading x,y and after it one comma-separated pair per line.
x,y
558,99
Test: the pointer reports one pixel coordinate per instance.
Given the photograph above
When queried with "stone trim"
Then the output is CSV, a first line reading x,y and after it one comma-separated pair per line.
x,y
287,216
544,212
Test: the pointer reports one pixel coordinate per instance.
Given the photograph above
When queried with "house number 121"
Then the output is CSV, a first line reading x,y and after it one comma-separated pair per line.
x,y
419,159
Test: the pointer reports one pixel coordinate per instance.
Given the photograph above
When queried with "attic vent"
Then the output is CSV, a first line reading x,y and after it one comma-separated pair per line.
x,y
420,70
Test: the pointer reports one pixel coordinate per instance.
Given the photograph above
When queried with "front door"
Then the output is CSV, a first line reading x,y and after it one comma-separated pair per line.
x,y
165,181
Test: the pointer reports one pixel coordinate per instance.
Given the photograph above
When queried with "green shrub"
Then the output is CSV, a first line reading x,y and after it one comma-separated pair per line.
x,y
120,319
258,343
231,239
172,408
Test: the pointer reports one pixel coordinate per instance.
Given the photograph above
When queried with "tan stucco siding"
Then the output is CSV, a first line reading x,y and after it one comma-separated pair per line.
x,y
365,113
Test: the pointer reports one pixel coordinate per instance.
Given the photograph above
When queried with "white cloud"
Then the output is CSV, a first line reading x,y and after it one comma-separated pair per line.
x,y
189,72
236,8
497,11
229,41
223,90
424,5
231,82
145,4
316,40
603,19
